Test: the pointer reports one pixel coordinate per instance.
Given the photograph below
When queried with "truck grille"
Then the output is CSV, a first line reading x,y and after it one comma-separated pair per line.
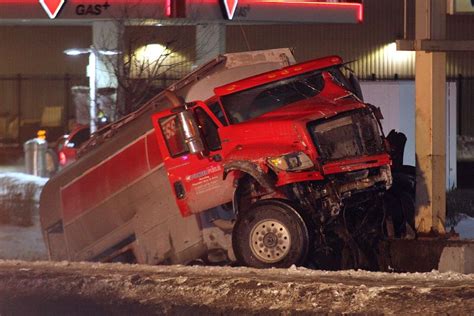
x,y
350,134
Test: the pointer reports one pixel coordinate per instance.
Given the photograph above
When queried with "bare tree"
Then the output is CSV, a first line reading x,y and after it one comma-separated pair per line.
x,y
153,54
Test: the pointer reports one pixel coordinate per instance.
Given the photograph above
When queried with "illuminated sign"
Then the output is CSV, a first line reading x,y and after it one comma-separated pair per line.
x,y
230,6
460,6
77,9
52,7
292,11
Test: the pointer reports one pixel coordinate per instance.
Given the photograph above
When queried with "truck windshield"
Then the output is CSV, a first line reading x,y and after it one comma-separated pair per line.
x,y
251,103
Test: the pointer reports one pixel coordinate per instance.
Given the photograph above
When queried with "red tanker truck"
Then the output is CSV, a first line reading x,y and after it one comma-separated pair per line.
x,y
251,158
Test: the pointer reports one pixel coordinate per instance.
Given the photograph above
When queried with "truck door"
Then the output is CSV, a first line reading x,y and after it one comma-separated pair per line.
x,y
196,179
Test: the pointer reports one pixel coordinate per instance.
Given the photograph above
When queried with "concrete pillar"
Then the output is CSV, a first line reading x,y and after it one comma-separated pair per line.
x,y
105,36
210,41
457,258
430,90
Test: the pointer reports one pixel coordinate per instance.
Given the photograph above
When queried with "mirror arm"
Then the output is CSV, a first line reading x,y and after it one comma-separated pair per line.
x,y
174,99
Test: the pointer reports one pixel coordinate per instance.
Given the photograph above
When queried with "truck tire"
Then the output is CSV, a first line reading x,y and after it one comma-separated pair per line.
x,y
271,233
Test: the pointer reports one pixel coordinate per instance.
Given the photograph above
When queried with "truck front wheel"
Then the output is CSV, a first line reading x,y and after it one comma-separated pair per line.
x,y
271,233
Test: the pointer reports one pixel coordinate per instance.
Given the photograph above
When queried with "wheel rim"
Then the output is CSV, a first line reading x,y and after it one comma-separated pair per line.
x,y
270,241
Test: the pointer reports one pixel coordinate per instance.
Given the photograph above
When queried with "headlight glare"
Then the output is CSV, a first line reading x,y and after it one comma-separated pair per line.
x,y
291,162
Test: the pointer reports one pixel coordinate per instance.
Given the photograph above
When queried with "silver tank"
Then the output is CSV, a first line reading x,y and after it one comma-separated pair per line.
x,y
35,156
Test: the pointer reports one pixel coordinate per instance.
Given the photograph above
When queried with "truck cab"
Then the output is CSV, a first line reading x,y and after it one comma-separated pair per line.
x,y
296,155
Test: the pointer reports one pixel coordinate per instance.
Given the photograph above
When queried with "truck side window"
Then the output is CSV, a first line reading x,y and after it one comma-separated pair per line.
x,y
173,135
208,130
217,111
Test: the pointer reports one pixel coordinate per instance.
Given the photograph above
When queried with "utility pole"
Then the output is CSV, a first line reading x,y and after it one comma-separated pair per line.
x,y
431,45
430,111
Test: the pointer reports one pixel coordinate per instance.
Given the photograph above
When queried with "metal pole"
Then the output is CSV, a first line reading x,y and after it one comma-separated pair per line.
x,y
19,94
67,91
405,20
459,101
92,89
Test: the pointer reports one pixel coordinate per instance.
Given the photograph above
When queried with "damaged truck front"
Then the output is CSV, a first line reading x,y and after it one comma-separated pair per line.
x,y
285,167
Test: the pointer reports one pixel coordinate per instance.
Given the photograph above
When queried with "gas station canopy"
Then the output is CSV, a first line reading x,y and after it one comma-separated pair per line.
x,y
295,11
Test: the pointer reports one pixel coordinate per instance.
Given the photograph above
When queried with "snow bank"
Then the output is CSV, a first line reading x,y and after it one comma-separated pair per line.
x,y
20,232
17,182
465,226
58,288
465,148
19,198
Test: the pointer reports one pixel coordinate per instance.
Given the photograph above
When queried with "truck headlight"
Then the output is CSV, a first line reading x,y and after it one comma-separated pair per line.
x,y
291,162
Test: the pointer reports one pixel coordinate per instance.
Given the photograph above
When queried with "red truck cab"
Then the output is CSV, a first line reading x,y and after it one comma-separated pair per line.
x,y
268,163
294,152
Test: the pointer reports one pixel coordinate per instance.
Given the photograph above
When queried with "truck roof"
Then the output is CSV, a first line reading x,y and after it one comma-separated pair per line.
x,y
276,75
230,67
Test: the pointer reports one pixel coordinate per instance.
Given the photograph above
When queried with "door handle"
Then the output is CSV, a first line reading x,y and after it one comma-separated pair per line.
x,y
179,190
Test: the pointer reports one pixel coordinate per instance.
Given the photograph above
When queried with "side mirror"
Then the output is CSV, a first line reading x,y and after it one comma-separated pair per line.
x,y
376,110
192,136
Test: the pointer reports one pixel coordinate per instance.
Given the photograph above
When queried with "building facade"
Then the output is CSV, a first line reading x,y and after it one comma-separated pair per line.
x,y
35,73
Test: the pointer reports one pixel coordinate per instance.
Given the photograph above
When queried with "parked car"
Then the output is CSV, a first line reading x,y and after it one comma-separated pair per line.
x,y
68,145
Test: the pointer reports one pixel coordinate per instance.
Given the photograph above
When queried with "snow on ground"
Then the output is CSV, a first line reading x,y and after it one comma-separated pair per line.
x,y
24,243
21,183
13,168
93,288
465,227
20,233
87,288
465,148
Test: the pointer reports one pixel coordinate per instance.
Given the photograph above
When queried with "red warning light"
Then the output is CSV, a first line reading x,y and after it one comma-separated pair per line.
x,y
175,8
62,158
168,8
